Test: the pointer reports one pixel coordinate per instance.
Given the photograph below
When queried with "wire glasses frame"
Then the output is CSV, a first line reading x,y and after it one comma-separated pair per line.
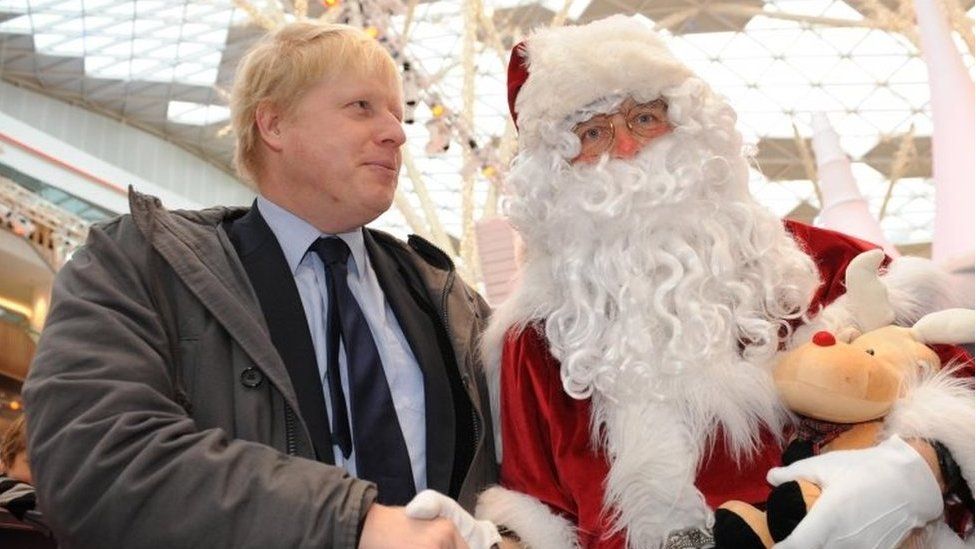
x,y
644,120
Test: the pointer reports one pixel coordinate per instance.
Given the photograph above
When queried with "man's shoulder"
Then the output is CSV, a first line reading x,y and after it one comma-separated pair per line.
x,y
147,214
416,248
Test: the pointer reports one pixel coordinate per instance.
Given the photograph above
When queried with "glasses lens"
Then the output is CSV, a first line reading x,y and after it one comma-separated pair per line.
x,y
595,135
648,119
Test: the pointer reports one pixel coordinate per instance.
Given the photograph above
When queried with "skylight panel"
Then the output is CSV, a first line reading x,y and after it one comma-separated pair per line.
x,y
17,25
188,50
145,46
218,18
96,64
93,6
816,99
47,41
800,7
69,26
191,30
73,7
880,43
149,7
216,37
71,47
95,23
162,51
196,114
120,30
143,26
205,77
14,6
41,20
142,69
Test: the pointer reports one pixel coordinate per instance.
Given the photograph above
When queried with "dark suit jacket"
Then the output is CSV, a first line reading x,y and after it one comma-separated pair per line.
x,y
450,429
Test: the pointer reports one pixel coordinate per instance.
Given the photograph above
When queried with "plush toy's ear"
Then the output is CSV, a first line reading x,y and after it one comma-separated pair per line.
x,y
848,334
868,295
953,326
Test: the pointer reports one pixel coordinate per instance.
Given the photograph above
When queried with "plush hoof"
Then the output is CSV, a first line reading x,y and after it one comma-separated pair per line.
x,y
785,508
732,532
797,450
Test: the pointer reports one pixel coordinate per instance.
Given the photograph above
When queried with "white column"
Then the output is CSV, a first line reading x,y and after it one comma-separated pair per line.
x,y
953,137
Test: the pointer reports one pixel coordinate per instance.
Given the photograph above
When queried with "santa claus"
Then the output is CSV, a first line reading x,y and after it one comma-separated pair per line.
x,y
633,387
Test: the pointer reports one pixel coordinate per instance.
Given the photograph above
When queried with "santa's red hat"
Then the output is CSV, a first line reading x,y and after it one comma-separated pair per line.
x,y
558,71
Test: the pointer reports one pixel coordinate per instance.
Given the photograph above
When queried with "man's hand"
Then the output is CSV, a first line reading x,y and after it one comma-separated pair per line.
x,y
871,498
479,534
390,527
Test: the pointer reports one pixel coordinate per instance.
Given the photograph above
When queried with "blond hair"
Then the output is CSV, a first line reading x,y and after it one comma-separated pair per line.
x,y
14,441
285,64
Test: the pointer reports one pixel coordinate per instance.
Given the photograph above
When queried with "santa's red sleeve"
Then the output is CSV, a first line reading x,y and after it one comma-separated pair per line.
x,y
551,478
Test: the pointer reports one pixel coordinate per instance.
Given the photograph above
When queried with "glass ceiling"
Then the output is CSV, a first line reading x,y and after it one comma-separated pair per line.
x,y
778,62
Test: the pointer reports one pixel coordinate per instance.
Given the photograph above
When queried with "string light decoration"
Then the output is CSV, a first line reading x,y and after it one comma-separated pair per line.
x,y
53,232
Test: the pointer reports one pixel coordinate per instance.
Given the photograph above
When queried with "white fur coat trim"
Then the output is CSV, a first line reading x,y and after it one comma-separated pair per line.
x,y
939,407
650,487
528,517
568,70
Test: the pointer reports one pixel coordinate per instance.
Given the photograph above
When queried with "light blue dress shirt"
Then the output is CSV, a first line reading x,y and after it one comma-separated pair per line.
x,y
295,235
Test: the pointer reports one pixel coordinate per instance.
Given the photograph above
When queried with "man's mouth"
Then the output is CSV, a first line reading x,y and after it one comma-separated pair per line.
x,y
384,164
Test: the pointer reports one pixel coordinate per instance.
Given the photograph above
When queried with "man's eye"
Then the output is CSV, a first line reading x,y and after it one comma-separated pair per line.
x,y
646,119
362,104
591,134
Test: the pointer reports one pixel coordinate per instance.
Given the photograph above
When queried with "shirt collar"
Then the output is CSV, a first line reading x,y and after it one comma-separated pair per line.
x,y
295,235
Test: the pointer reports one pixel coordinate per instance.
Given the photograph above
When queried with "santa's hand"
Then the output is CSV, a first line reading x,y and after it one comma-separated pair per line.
x,y
870,498
479,534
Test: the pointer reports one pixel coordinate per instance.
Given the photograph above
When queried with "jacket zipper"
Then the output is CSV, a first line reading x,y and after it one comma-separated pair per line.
x,y
465,377
291,446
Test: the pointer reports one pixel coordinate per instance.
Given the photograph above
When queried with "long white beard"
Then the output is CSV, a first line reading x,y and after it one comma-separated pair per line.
x,y
661,278
664,289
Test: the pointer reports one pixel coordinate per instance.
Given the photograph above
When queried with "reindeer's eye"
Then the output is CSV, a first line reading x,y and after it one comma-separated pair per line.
x,y
870,352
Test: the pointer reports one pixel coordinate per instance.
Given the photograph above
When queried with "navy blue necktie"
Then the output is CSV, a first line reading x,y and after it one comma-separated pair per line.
x,y
381,452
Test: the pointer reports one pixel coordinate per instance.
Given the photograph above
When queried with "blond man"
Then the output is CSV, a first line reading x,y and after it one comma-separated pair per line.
x,y
272,376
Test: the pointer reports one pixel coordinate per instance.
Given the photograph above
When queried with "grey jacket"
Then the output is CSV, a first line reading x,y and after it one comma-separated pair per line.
x,y
161,415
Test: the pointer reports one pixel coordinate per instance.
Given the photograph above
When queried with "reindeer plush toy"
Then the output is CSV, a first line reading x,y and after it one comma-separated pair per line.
x,y
843,388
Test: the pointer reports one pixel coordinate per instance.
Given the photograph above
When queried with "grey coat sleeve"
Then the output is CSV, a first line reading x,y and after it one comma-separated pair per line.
x,y
119,464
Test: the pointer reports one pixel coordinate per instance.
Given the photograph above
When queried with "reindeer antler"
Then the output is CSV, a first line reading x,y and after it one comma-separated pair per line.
x,y
868,296
953,326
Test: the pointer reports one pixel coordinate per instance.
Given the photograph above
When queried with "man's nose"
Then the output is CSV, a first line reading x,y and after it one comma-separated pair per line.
x,y
391,132
625,145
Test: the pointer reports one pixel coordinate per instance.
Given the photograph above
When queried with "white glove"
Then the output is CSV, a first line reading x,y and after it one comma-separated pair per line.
x,y
479,534
870,498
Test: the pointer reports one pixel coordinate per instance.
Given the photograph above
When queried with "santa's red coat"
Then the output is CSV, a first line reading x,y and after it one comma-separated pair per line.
x,y
548,453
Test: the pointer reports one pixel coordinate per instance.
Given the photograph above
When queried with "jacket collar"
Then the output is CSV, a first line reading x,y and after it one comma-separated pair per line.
x,y
221,283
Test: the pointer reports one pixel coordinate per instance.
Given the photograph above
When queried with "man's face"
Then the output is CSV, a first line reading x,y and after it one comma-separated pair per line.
x,y
623,133
20,469
341,146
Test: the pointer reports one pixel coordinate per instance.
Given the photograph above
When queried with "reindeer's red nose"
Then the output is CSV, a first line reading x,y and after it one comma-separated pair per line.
x,y
824,339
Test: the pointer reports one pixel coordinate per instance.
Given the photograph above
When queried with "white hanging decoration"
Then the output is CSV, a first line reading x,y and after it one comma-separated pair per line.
x,y
844,208
440,136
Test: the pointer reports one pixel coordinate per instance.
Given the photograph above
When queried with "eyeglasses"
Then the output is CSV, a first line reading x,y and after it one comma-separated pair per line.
x,y
645,121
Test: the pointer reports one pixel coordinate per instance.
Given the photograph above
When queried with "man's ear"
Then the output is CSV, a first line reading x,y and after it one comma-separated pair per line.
x,y
268,119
